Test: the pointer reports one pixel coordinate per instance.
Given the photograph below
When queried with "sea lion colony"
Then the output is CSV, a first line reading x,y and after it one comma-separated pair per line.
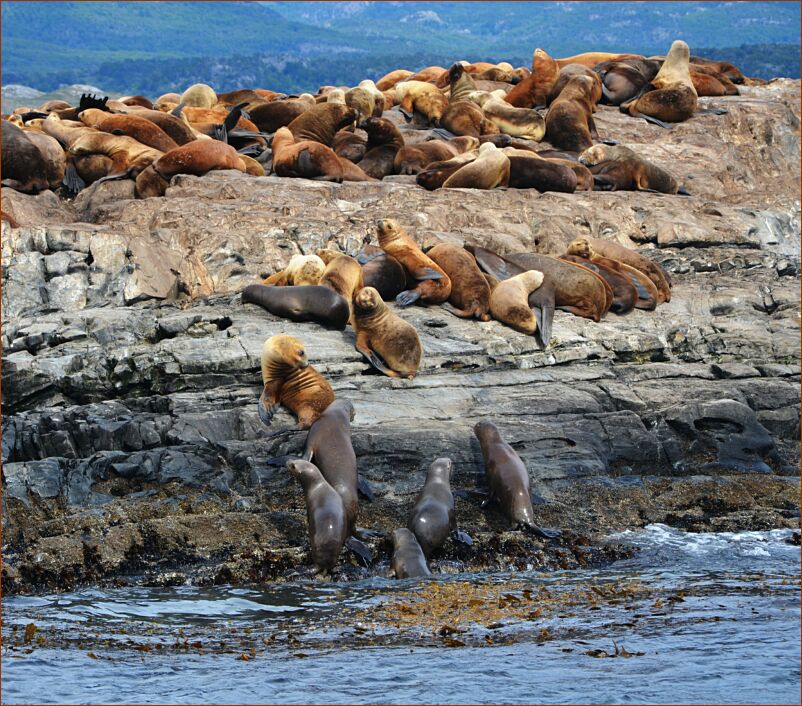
x,y
483,124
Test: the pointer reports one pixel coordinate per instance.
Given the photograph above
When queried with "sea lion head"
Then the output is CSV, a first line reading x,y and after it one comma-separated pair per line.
x,y
441,468
486,430
342,405
286,349
367,299
387,229
593,155
455,73
679,52
306,269
303,471
580,247
402,537
336,96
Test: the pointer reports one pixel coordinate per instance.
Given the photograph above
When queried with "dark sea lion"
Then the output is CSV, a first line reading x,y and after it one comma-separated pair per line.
x,y
433,286
524,123
305,159
432,518
624,79
591,59
269,117
349,145
531,172
509,301
625,294
470,293
290,381
437,173
24,167
624,170
413,159
141,101
53,155
384,141
321,122
533,90
325,514
508,479
385,274
300,303
569,122
388,343
408,559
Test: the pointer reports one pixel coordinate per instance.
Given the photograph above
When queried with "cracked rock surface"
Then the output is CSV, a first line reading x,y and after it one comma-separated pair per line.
x,y
132,447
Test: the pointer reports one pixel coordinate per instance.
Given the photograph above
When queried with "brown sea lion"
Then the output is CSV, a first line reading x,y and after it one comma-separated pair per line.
x,y
709,83
321,122
343,274
624,79
533,90
490,169
53,155
625,293
325,514
290,381
470,293
301,270
269,117
433,286
432,518
349,145
421,97
413,159
624,170
508,479
384,142
390,344
197,158
307,159
527,171
24,167
429,74
463,117
392,78
408,559
141,101
241,95
670,96
724,68
591,59
567,73
509,301
301,303
569,122
174,127
139,128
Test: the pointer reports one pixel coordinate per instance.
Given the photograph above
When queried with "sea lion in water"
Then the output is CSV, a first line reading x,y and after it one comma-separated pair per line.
x,y
408,559
569,122
362,101
306,158
432,518
321,122
290,381
470,293
490,169
380,331
24,167
508,479
301,270
670,96
325,514
533,90
509,301
624,170
300,303
433,286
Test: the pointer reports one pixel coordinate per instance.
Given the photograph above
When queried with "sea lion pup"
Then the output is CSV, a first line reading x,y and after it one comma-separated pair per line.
x,y
434,286
384,141
624,170
325,513
670,96
508,479
470,293
24,167
625,293
624,79
306,158
362,101
528,171
432,518
463,117
408,559
300,303
321,122
53,154
509,301
426,99
269,117
199,95
290,381
300,271
140,129
569,122
196,158
392,78
592,247
533,90
490,169
567,73
390,344
343,274
525,123
591,59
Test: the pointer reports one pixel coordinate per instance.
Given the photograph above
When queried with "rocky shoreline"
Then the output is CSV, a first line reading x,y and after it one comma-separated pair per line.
x,y
132,447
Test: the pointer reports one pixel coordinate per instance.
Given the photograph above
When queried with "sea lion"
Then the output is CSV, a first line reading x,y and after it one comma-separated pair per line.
x,y
424,98
569,122
269,117
307,159
290,381
384,142
429,74
528,171
301,270
509,301
380,331
707,82
165,99
241,95
325,513
724,68
349,145
385,274
590,247
413,159
199,95
196,158
434,286
463,117
24,167
139,128
670,96
432,518
321,122
508,479
624,170
362,101
343,274
490,169
470,293
301,303
591,59
525,123
392,78
624,79
567,73
625,293
408,559
533,90
53,154
174,127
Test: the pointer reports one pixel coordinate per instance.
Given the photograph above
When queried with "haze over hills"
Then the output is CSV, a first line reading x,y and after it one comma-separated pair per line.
x,y
150,48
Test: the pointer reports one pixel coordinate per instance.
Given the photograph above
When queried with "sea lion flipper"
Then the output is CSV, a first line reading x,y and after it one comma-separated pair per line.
x,y
364,489
177,110
609,141
220,133
363,258
268,403
712,111
72,180
461,313
427,273
541,301
443,133
462,538
112,177
492,263
279,460
650,119
410,296
360,549
542,532
682,191
603,183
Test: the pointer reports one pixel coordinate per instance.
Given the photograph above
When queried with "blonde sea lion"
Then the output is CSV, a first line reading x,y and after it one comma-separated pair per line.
x,y
470,293
343,274
199,95
301,270
567,73
525,123
509,301
426,99
490,169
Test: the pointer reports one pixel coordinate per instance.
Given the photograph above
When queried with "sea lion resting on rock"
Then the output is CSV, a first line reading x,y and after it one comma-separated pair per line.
x,y
382,272
301,270
625,293
529,171
53,154
321,122
490,169
463,117
384,142
408,559
413,159
533,90
306,159
139,128
434,286
24,167
470,293
509,301
343,274
426,99
380,331
301,303
525,123
290,381
569,122
624,170
567,73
